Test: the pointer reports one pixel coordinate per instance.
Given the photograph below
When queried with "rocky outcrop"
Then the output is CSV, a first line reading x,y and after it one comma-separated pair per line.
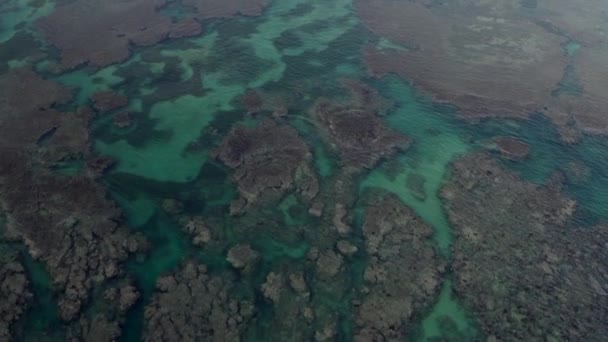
x,y
66,222
449,50
268,160
14,291
242,257
355,130
227,8
106,101
512,148
294,313
192,305
520,264
118,25
403,274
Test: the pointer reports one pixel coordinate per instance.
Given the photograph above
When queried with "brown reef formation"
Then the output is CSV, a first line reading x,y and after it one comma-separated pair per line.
x,y
102,32
519,264
107,101
208,9
403,275
65,221
355,129
14,291
512,148
495,59
192,305
268,160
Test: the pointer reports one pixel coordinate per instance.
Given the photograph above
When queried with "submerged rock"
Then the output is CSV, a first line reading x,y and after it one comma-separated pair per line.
x,y
512,148
520,264
192,305
123,119
415,184
346,248
15,294
197,229
356,132
106,101
242,256
403,275
268,160
66,222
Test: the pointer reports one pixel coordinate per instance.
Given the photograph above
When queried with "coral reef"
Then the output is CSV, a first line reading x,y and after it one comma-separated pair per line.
x,y
227,8
512,148
67,222
192,305
118,25
355,131
115,25
106,101
242,256
268,160
403,274
123,119
14,291
523,269
477,56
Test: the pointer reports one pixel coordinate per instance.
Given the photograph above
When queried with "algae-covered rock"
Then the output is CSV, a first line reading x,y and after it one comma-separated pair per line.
x,y
192,305
403,274
242,256
355,129
14,291
268,160
520,262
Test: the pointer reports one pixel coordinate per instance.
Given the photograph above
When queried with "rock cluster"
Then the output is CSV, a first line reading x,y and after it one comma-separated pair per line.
x,y
268,160
519,264
356,131
477,55
192,305
512,148
66,222
106,101
99,33
403,274
14,291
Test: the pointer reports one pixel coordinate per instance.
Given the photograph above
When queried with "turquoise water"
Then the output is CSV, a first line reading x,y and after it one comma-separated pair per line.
x,y
184,96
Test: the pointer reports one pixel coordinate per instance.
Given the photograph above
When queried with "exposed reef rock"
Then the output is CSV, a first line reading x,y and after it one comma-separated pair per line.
x,y
66,222
403,275
293,310
242,256
512,148
110,314
355,131
107,101
523,270
268,160
227,8
101,32
192,305
123,119
14,292
477,55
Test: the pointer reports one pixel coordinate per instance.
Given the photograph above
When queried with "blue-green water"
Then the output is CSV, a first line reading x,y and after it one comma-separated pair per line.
x,y
184,96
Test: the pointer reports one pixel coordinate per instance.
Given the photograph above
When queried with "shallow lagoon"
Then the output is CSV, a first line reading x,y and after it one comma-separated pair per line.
x,y
295,53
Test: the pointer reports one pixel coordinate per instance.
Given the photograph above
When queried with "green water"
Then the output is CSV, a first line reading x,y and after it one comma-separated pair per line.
x,y
17,15
43,322
184,96
447,321
436,143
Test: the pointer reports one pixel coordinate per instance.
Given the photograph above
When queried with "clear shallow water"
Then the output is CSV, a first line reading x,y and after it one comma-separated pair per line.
x,y
297,45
